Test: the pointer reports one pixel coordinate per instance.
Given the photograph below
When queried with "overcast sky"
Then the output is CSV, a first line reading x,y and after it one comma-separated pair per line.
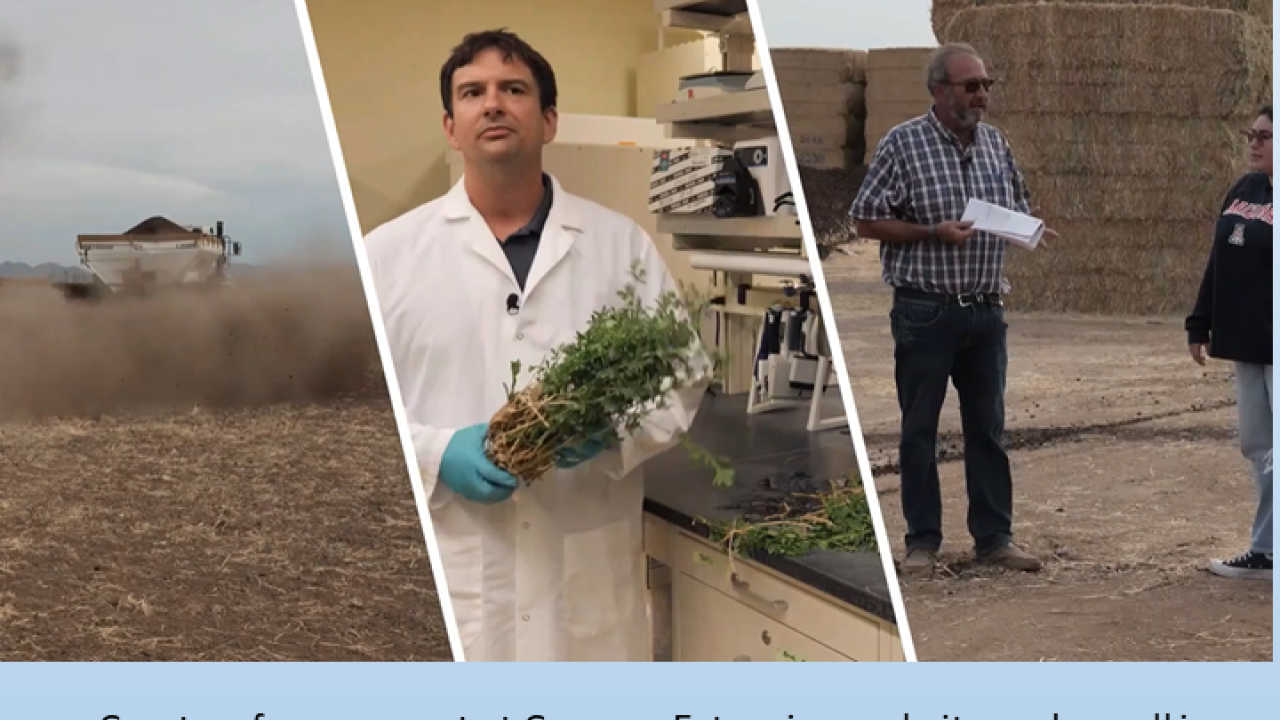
x,y
857,24
198,111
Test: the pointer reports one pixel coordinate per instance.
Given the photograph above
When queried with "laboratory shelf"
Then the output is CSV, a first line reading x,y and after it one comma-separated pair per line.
x,y
706,22
721,8
747,107
778,227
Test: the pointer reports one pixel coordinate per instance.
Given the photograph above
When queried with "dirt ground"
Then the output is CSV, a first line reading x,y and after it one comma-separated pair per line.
x,y
206,480
1127,480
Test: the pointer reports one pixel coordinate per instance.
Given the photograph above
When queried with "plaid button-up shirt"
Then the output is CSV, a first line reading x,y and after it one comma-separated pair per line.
x,y
922,174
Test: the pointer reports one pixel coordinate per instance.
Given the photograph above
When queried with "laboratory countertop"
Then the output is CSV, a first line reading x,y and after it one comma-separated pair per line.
x,y
770,444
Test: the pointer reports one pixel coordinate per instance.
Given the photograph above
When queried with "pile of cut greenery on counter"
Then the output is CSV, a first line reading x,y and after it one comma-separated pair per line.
x,y
837,518
604,383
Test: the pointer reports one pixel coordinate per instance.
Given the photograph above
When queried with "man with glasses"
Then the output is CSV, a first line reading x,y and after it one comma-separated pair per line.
x,y
948,316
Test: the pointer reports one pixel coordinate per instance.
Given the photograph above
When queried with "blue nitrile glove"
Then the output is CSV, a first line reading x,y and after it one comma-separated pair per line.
x,y
572,457
466,470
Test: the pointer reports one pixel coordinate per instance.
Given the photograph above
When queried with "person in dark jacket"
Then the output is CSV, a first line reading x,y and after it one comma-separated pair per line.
x,y
1232,321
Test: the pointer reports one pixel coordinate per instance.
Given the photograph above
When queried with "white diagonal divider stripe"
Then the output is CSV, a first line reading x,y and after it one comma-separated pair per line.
x,y
829,321
380,331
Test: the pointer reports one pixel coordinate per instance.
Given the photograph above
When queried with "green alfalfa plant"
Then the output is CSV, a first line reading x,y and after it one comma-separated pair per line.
x,y
838,518
602,385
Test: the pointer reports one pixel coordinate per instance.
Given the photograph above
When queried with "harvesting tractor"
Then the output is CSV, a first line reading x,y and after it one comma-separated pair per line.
x,y
157,255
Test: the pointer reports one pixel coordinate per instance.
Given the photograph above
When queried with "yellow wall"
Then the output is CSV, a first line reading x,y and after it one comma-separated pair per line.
x,y
382,58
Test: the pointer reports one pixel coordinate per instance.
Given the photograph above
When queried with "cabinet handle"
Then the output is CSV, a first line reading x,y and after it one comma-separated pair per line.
x,y
742,658
744,587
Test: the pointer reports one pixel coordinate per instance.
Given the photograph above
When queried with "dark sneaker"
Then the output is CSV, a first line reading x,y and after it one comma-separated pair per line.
x,y
1252,565
919,562
1012,557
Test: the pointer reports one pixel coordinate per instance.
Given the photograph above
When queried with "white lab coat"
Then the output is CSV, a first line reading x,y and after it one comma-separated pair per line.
x,y
557,572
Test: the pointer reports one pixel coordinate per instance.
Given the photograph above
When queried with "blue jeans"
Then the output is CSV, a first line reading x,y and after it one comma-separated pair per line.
x,y
1253,399
936,342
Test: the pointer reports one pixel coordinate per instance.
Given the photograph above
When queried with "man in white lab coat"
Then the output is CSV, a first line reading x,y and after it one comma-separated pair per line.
x,y
508,266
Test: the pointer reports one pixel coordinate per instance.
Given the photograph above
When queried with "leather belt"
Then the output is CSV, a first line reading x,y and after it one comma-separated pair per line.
x,y
962,299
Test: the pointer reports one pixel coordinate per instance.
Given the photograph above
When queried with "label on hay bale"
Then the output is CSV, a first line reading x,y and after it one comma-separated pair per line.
x,y
829,158
849,64
826,132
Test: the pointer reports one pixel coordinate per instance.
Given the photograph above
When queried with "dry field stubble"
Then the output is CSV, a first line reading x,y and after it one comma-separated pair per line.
x,y
206,480
1127,480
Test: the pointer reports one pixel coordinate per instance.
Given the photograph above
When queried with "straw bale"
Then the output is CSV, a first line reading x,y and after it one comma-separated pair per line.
x,y
1209,99
1023,130
1130,268
882,59
1217,62
941,12
1126,121
879,124
828,158
879,93
944,10
1114,160
898,111
1154,198
897,85
873,144
800,76
850,64
825,132
820,101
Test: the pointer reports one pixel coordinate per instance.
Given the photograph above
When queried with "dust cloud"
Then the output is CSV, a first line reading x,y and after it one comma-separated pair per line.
x,y
10,61
10,66
301,336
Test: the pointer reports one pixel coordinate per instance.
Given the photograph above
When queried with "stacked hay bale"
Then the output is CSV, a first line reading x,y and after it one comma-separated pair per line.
x,y
1126,120
823,95
824,98
944,10
896,90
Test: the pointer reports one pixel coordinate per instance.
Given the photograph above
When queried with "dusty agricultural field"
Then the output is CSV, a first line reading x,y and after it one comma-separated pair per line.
x,y
1127,480
269,518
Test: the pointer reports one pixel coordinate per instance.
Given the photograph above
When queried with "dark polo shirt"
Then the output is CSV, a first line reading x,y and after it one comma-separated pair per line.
x,y
522,245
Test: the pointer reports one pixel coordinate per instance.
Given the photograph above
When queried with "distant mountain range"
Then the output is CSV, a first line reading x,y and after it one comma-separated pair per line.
x,y
49,271
62,273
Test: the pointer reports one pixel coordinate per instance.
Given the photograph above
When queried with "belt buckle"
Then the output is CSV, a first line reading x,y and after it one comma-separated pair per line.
x,y
960,299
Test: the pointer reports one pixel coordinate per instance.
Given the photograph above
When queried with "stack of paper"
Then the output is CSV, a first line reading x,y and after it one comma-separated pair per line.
x,y
1021,230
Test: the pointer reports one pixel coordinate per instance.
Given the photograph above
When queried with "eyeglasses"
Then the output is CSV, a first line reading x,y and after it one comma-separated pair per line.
x,y
1258,136
971,86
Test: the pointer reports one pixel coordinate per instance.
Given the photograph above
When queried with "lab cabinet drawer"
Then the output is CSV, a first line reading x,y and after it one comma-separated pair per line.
x,y
714,627
844,628
895,650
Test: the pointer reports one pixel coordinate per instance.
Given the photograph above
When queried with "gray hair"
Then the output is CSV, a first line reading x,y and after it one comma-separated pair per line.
x,y
936,70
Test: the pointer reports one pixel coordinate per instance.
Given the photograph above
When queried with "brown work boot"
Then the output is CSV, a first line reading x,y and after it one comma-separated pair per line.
x,y
919,562
1013,557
